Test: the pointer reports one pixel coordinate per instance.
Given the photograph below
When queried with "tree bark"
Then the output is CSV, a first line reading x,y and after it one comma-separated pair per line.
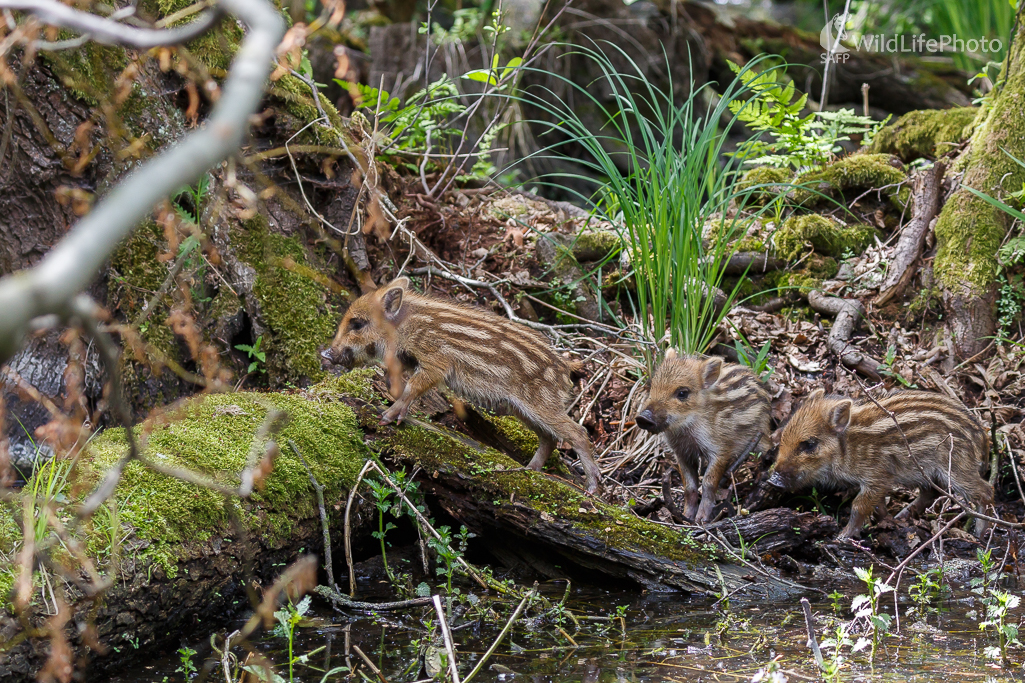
x,y
969,230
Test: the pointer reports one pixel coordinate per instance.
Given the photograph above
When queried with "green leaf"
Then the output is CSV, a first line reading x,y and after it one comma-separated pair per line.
x,y
481,75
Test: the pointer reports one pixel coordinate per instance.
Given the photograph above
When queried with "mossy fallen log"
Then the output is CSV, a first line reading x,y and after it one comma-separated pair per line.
x,y
548,524
192,553
189,554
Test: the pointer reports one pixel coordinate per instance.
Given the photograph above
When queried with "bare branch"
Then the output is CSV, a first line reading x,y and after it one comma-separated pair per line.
x,y
70,266
110,32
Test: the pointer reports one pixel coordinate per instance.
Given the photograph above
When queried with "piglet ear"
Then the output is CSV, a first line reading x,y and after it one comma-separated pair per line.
x,y
670,353
817,394
710,371
391,300
840,415
402,282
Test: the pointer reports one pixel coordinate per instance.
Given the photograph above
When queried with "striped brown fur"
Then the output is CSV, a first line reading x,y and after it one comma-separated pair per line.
x,y
833,441
484,358
708,410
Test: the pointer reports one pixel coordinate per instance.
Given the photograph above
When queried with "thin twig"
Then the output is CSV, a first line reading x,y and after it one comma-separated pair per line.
x,y
366,660
339,599
809,625
508,625
328,563
922,546
447,636
103,30
348,542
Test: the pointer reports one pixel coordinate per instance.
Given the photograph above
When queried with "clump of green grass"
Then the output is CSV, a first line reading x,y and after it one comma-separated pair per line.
x,y
663,185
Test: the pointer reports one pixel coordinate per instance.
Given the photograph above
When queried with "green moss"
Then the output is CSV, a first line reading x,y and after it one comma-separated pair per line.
x,y
750,244
926,133
357,383
88,71
814,270
515,432
10,538
596,245
212,436
302,109
852,175
214,439
969,231
295,307
825,235
135,275
771,177
496,476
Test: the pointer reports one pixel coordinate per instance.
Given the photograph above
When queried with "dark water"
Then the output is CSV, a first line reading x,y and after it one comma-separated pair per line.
x,y
666,638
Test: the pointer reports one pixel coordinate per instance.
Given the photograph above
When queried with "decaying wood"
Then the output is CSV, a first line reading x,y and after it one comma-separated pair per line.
x,y
848,312
926,202
751,263
537,537
779,530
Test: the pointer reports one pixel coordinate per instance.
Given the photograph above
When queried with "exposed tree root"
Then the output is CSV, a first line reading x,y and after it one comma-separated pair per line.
x,y
926,198
848,312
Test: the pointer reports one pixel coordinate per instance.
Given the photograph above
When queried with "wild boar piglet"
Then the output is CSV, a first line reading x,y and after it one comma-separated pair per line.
x,y
832,441
708,410
488,360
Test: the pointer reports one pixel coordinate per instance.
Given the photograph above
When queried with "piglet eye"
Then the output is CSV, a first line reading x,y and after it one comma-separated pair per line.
x,y
682,394
808,445
356,324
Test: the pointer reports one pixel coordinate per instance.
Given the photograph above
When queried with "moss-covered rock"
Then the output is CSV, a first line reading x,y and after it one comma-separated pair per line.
x,y
825,235
295,307
852,175
925,133
764,183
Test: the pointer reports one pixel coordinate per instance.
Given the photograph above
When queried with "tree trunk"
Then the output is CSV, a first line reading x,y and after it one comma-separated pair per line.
x,y
969,230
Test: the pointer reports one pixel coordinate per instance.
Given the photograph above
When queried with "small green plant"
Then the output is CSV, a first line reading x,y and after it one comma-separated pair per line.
x,y
288,618
425,119
832,667
186,668
927,589
256,356
47,490
835,597
991,574
997,604
188,201
658,155
866,606
998,607
803,142
759,363
448,556
382,500
887,367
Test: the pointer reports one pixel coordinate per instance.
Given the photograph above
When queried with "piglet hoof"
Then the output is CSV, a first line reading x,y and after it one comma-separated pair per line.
x,y
593,489
394,414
